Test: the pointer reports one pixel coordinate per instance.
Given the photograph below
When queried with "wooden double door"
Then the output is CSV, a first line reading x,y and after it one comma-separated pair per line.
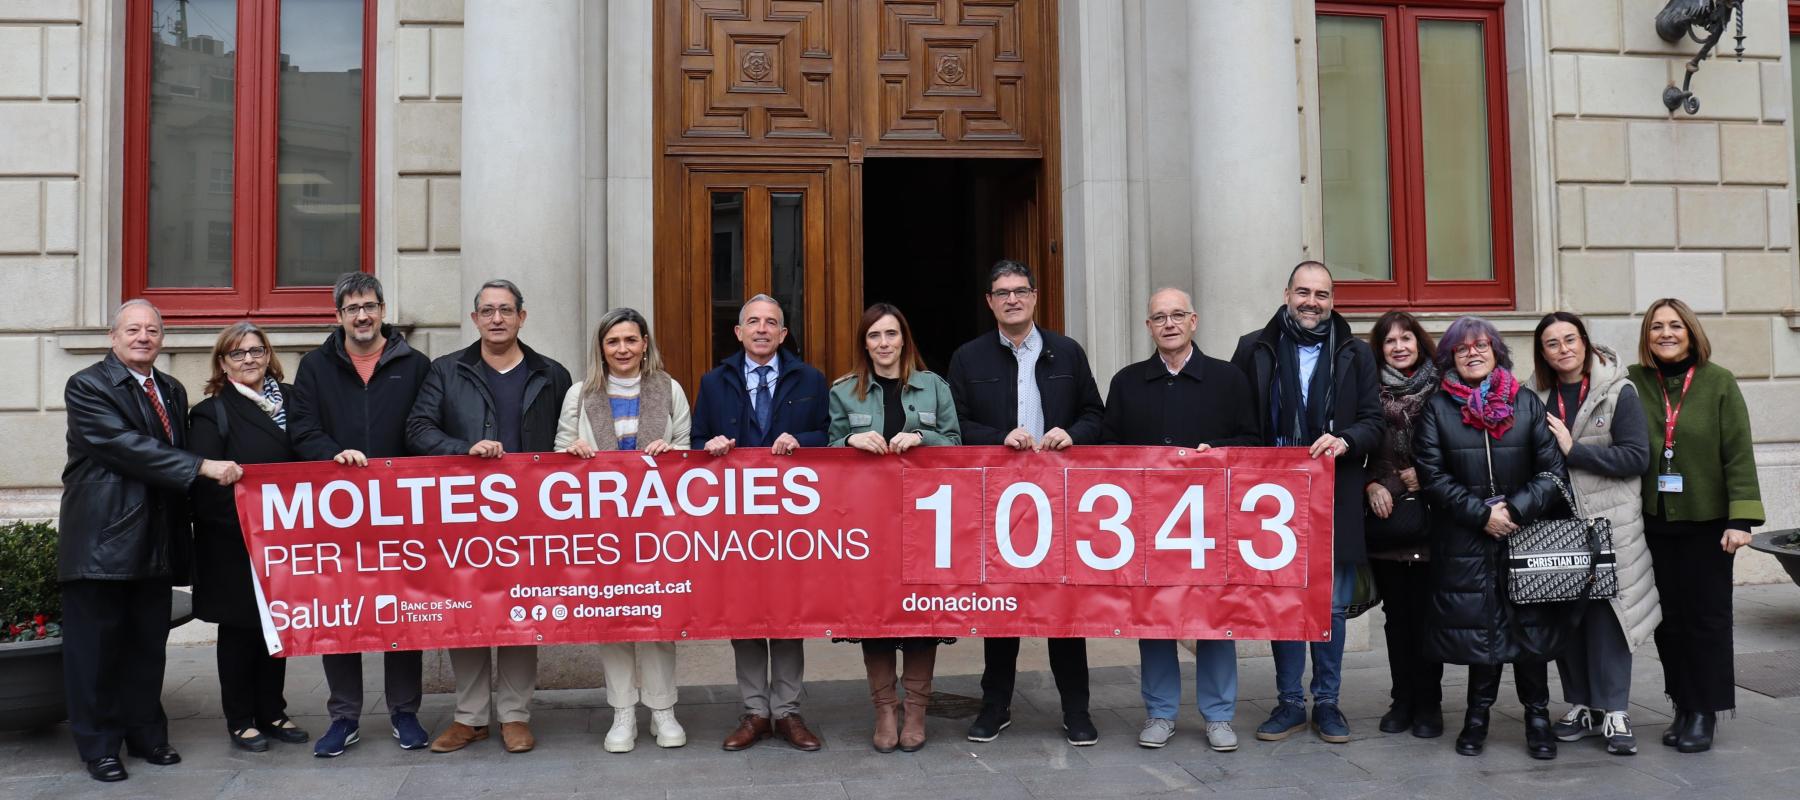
x,y
770,115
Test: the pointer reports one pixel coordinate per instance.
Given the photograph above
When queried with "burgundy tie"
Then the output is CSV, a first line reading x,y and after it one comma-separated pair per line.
x,y
161,413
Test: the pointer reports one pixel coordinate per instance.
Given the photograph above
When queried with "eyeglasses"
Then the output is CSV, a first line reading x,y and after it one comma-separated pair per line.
x,y
1020,293
1563,344
1176,317
1481,346
258,353
366,308
507,312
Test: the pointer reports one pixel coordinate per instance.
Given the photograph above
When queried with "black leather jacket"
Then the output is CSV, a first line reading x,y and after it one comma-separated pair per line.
x,y
124,508
454,409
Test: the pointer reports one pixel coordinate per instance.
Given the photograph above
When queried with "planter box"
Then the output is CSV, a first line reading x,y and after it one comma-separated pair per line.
x,y
31,685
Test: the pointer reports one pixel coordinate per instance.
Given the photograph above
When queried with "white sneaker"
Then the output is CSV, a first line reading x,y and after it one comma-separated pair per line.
x,y
666,729
1220,736
1156,732
623,735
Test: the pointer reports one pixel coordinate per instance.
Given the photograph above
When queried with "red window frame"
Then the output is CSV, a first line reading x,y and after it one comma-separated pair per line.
x,y
255,164
1411,285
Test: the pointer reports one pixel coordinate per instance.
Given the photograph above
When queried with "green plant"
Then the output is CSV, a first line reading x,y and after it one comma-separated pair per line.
x,y
30,599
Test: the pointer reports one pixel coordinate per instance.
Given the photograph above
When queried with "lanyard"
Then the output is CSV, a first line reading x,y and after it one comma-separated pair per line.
x,y
1673,413
1580,397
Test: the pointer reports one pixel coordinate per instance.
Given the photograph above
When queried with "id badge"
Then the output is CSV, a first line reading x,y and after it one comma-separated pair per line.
x,y
1670,483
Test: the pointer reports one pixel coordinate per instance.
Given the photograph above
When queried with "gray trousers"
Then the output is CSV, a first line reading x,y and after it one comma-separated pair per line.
x,y
1596,665
769,673
402,671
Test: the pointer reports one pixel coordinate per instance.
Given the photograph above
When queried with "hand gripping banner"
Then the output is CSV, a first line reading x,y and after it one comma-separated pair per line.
x,y
1097,542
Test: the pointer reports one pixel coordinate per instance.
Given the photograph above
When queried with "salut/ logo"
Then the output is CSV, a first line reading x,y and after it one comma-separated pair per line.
x,y
316,613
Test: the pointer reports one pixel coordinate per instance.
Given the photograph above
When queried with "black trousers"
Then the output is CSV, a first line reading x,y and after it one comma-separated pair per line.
x,y
1405,588
1530,678
1693,575
250,680
402,681
1068,663
115,636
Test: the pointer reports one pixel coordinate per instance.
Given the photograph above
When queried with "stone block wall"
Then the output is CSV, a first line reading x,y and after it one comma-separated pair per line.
x,y
426,133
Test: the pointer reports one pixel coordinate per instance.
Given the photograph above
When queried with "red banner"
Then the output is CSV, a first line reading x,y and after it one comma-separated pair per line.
x,y
1098,542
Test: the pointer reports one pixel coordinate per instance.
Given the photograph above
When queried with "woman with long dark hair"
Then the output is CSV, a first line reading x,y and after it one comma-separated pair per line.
x,y
888,404
1395,525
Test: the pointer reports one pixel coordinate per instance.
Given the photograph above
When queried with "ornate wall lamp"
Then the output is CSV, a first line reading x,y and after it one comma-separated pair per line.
x,y
1680,18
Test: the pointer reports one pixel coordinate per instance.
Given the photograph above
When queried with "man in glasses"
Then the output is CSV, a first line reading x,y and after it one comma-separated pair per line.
x,y
1181,397
1029,389
496,396
1316,387
350,402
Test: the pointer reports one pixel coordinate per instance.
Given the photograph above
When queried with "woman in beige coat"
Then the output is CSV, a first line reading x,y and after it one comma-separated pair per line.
x,y
1599,424
629,403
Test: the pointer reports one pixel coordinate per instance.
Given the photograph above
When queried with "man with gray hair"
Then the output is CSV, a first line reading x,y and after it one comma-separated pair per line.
x,y
494,397
349,405
764,396
125,539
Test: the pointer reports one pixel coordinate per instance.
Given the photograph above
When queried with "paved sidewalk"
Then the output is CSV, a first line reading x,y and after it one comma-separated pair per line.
x,y
1756,755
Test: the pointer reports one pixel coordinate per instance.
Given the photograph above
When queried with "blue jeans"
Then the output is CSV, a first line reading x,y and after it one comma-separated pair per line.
x,y
1215,678
1327,657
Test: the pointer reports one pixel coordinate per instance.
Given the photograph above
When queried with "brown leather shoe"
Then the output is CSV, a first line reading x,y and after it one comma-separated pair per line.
x,y
517,737
457,737
793,729
750,729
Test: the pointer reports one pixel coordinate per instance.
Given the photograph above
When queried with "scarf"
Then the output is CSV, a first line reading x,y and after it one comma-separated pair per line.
x,y
1296,423
1403,398
1487,407
654,409
269,399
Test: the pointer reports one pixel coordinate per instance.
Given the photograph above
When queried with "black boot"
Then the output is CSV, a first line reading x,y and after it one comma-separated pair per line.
x,y
1398,718
1484,686
1672,736
1697,732
1428,722
1540,740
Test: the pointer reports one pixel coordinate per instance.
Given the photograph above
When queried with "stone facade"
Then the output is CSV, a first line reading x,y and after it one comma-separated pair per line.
x,y
1170,110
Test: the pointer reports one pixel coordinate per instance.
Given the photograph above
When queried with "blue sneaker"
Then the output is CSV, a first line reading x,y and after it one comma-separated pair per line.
x,y
408,731
1329,723
1288,717
342,734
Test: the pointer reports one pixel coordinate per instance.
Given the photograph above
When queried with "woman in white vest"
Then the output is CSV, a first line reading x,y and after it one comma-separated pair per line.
x,y
629,403
1599,424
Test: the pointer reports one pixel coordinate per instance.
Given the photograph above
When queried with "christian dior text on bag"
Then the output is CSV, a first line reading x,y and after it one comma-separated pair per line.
x,y
1559,560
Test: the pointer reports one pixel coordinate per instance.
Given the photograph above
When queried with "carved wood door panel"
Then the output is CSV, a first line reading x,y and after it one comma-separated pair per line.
x,y
757,72
952,76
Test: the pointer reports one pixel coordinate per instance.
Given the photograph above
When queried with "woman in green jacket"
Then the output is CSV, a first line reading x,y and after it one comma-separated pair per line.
x,y
887,405
1700,500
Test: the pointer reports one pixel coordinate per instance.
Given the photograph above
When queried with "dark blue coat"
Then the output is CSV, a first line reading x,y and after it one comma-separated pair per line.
x,y
801,405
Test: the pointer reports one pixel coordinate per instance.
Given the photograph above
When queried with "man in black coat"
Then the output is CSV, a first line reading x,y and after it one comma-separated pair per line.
x,y
1029,389
124,540
1181,397
495,397
764,396
351,398
1316,387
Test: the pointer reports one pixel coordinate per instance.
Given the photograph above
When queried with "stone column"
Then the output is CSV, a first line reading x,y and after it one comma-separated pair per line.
x,y
1243,102
1100,300
521,157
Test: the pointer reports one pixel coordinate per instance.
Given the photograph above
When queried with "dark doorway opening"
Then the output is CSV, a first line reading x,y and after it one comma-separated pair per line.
x,y
932,227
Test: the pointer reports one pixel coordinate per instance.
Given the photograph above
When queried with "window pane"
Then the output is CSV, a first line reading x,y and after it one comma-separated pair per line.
x,y
192,75
1459,226
787,262
727,269
319,220
1353,148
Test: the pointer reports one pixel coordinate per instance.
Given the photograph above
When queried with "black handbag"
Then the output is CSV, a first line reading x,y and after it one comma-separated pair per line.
x,y
1559,560
1403,529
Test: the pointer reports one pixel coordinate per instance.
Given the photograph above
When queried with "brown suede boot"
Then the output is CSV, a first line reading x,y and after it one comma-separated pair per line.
x,y
920,664
881,668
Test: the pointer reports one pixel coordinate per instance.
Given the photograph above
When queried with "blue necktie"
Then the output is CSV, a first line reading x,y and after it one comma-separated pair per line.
x,y
765,403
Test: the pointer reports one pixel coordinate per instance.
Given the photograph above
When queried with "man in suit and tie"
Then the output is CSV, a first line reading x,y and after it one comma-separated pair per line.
x,y
125,539
763,396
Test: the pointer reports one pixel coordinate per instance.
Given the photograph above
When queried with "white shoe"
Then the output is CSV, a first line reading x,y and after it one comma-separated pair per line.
x,y
1220,737
623,735
666,729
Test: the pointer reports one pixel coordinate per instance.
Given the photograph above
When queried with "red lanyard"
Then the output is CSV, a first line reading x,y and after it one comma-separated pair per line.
x,y
1581,397
1672,413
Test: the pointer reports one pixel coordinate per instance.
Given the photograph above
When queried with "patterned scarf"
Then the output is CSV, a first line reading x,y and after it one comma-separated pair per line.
x,y
269,399
1403,397
1487,407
